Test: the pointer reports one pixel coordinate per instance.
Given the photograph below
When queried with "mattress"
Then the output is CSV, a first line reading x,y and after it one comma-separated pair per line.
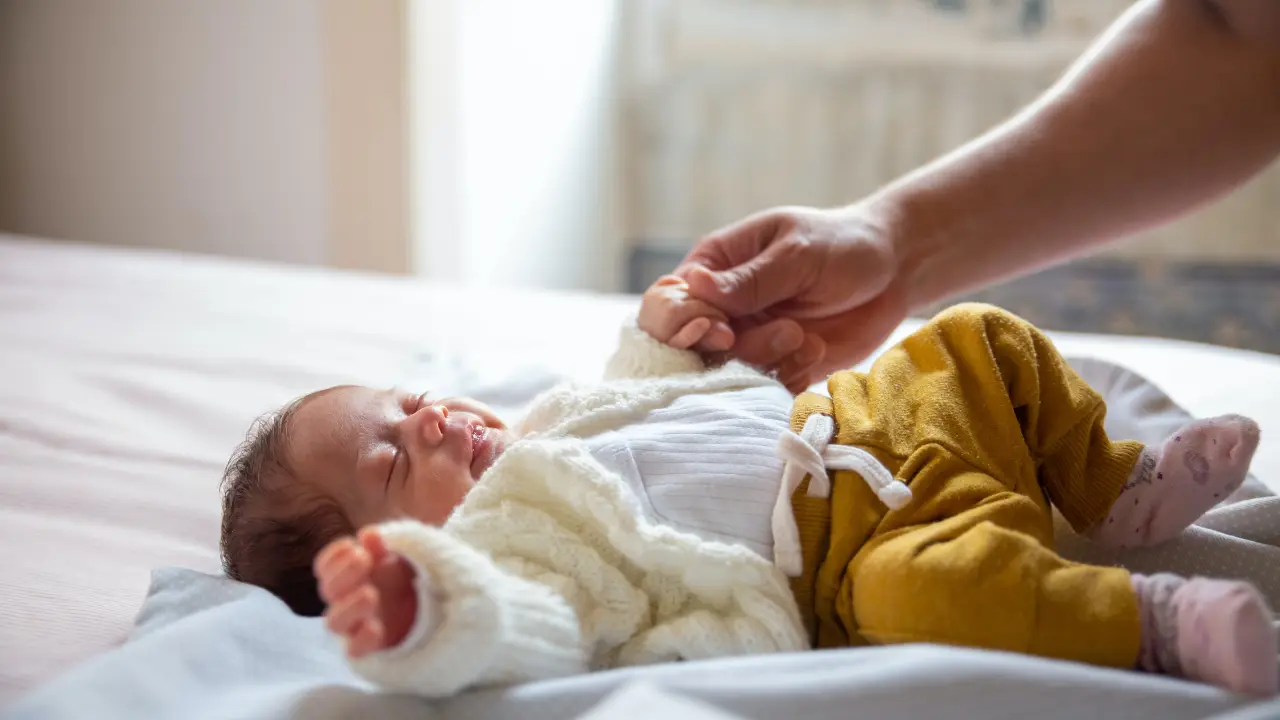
x,y
126,378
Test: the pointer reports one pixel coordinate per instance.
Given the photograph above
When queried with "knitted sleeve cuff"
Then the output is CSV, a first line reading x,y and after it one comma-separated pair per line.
x,y
427,619
490,627
639,355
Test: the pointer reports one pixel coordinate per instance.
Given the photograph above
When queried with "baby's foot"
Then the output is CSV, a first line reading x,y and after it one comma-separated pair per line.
x,y
1172,486
1213,631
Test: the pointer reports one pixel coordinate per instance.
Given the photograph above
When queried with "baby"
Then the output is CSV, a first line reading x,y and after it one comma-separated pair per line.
x,y
676,511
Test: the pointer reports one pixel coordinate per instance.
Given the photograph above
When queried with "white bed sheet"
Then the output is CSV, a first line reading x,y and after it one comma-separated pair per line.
x,y
126,377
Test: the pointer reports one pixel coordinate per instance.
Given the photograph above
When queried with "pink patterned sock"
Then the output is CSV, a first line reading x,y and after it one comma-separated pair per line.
x,y
1213,631
1172,486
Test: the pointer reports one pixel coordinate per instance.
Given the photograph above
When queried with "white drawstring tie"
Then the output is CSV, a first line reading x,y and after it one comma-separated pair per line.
x,y
811,453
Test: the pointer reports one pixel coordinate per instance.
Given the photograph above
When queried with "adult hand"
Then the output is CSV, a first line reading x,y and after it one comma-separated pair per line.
x,y
807,291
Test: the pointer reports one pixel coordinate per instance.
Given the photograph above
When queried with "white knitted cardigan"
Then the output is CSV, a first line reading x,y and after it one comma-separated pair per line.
x,y
549,569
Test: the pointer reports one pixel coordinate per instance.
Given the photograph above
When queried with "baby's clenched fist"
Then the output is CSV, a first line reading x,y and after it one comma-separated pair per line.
x,y
369,591
669,315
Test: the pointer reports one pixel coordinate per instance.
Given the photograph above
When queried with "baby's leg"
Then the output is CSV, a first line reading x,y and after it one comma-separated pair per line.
x,y
1214,631
1171,486
994,389
976,579
1023,405
981,578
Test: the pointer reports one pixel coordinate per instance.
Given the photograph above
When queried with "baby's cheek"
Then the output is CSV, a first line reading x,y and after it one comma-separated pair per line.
x,y
437,492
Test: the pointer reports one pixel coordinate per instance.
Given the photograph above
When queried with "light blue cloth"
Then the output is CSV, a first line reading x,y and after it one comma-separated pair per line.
x,y
208,647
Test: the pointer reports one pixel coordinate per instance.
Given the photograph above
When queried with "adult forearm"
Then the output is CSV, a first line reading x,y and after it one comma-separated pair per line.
x,y
1177,104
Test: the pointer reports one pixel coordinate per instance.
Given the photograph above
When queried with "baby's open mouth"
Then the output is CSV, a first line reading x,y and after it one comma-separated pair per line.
x,y
485,448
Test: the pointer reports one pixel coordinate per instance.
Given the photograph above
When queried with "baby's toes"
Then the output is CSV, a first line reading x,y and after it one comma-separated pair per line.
x,y
1241,452
1231,439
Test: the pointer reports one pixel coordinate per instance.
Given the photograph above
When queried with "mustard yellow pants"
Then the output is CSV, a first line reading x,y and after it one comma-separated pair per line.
x,y
983,419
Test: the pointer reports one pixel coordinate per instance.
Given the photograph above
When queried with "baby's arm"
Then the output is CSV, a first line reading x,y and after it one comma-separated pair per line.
x,y
422,612
670,322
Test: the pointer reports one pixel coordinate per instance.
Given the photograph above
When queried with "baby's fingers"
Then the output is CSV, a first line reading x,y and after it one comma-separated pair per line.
x,y
372,541
344,572
331,553
368,637
344,616
691,333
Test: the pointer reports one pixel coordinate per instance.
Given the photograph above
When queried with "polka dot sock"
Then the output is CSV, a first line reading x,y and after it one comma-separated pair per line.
x,y
1213,631
1173,485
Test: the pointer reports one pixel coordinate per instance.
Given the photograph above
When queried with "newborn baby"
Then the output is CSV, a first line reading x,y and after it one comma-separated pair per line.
x,y
676,511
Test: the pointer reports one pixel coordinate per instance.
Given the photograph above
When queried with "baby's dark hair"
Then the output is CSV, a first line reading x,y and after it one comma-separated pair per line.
x,y
273,525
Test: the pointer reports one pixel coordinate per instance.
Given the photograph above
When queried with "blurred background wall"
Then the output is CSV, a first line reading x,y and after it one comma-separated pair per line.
x,y
271,130
736,105
564,144
514,111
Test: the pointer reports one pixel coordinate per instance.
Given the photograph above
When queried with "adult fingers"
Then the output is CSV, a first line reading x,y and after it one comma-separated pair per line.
x,y
717,340
800,370
766,345
777,274
735,244
854,335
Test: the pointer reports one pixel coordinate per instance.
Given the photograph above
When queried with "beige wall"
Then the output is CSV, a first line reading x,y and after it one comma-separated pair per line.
x,y
262,129
366,69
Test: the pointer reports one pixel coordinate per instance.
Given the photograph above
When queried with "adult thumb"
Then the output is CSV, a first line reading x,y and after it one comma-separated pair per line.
x,y
754,286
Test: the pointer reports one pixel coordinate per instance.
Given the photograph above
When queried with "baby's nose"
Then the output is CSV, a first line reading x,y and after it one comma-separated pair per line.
x,y
428,423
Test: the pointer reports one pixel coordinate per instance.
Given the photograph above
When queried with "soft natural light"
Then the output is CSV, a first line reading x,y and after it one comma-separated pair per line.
x,y
530,114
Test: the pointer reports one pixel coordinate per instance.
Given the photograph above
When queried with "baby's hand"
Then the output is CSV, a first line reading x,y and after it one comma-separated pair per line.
x,y
369,591
669,315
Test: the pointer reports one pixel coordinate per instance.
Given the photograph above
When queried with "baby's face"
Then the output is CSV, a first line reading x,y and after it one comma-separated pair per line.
x,y
385,454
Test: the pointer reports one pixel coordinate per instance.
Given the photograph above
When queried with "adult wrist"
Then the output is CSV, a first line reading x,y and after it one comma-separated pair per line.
x,y
910,228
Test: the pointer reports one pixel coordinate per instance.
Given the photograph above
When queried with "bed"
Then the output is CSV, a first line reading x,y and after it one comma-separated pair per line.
x,y
127,376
